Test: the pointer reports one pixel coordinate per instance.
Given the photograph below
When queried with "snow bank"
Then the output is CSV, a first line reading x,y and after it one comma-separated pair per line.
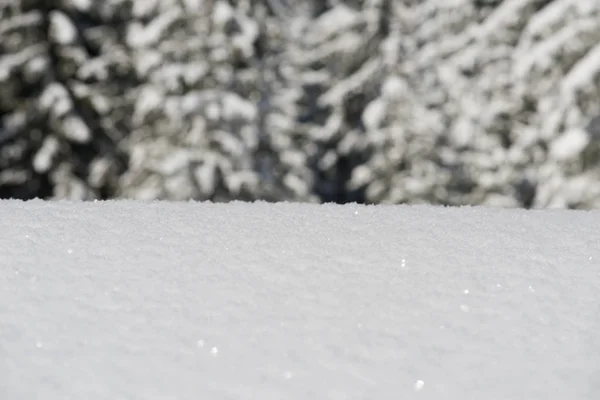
x,y
129,300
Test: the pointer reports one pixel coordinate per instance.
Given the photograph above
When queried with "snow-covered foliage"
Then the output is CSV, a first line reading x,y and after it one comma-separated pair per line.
x,y
378,101
477,94
63,76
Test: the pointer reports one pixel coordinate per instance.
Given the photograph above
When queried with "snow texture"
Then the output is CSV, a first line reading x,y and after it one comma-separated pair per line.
x,y
129,300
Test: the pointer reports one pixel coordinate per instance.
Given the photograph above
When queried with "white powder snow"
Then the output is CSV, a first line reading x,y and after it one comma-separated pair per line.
x,y
132,300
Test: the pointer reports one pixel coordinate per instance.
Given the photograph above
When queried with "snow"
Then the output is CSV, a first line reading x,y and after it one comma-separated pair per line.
x,y
570,144
157,300
62,29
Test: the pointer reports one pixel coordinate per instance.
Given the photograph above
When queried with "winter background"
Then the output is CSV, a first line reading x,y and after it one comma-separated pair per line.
x,y
457,102
369,101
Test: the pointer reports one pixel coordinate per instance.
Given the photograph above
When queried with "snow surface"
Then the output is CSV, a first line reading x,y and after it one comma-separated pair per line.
x,y
131,300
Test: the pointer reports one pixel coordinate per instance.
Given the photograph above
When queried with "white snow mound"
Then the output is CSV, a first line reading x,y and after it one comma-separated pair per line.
x,y
132,300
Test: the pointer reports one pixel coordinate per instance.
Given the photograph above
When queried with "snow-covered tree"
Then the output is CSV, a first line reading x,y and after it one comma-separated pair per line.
x,y
377,101
479,95
61,102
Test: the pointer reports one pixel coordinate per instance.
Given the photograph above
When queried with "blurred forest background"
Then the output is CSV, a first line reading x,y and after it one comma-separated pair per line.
x,y
371,101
